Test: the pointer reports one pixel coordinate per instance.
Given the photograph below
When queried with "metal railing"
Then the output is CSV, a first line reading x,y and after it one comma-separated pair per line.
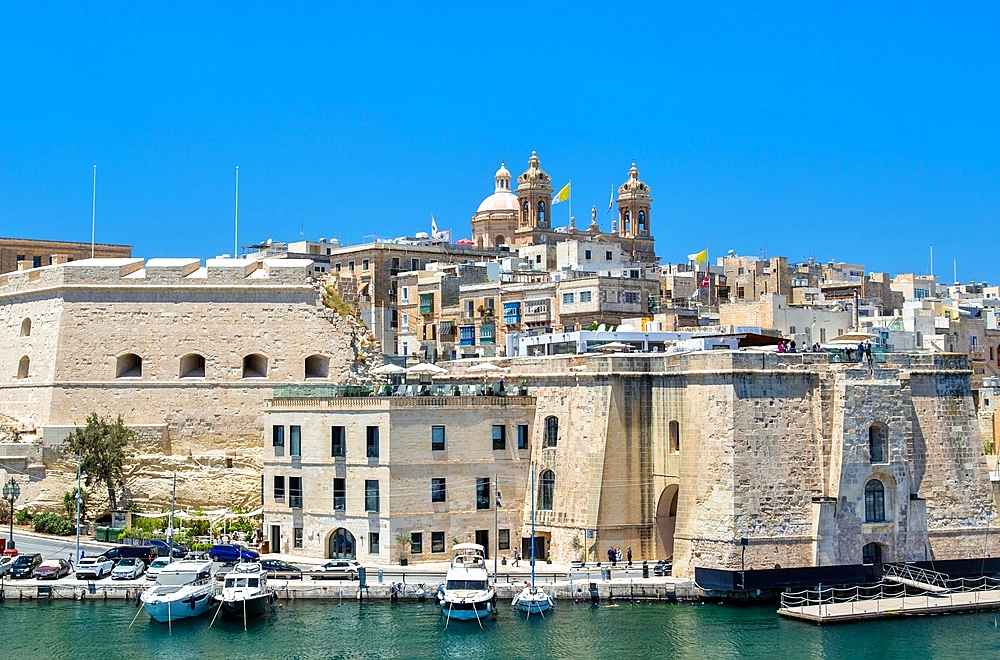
x,y
916,575
883,590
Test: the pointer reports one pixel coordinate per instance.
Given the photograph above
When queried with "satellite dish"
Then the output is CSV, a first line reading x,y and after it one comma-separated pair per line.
x,y
268,241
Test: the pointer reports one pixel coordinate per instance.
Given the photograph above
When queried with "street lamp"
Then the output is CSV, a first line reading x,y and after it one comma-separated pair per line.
x,y
11,491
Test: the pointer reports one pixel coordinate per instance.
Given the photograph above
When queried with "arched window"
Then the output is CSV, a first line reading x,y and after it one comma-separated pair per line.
x,y
317,366
499,240
26,329
341,545
642,220
874,501
525,212
255,366
871,554
546,490
674,430
193,366
541,214
551,431
626,221
129,366
22,367
878,443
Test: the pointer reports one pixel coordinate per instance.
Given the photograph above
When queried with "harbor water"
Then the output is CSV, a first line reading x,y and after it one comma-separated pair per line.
x,y
626,631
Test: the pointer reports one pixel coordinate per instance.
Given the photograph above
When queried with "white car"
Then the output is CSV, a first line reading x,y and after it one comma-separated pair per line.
x,y
94,568
129,568
5,564
346,569
157,566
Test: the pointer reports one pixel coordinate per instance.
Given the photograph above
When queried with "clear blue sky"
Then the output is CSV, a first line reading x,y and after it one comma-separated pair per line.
x,y
846,132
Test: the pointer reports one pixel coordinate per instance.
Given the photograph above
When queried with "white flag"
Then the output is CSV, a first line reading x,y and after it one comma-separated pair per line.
x,y
434,226
611,202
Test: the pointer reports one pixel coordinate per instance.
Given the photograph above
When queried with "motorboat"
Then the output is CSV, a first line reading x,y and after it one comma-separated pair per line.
x,y
245,592
183,589
467,594
532,599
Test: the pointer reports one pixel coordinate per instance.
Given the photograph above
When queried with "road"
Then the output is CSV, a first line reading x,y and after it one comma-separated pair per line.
x,y
53,548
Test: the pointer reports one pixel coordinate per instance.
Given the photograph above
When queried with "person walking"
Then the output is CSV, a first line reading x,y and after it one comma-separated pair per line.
x,y
611,556
868,353
628,554
861,351
517,558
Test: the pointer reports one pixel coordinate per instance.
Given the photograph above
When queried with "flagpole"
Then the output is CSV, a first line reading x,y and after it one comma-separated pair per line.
x,y
236,232
570,200
93,214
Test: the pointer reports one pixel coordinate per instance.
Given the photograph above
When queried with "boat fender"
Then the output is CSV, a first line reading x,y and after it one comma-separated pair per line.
x,y
138,600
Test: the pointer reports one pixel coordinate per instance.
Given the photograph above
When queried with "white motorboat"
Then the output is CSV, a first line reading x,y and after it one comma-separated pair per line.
x,y
245,592
183,589
532,599
467,594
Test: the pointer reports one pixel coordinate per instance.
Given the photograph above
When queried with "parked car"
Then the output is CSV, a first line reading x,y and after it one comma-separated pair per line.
x,y
6,563
94,568
147,553
346,569
232,552
158,565
129,568
175,549
53,569
663,567
281,569
24,566
220,573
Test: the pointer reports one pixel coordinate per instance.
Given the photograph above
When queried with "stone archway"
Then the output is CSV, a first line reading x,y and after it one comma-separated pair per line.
x,y
341,545
666,522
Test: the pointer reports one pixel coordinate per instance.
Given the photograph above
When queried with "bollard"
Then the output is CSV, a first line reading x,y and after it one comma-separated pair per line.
x,y
645,569
595,595
604,574
380,576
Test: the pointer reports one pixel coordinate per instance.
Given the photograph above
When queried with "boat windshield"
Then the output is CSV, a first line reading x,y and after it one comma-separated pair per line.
x,y
474,585
242,582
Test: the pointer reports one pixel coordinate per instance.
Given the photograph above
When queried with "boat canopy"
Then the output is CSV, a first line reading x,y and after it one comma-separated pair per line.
x,y
469,546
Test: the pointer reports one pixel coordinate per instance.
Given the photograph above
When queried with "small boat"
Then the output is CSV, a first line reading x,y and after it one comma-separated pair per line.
x,y
531,599
183,589
245,592
467,594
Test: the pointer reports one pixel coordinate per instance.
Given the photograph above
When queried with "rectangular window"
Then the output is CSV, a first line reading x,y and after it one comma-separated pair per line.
x,y
278,436
487,335
350,266
585,296
791,329
426,303
470,308
340,494
490,304
336,266
338,441
482,492
499,437
437,438
371,444
373,543
438,490
297,537
405,293
416,543
437,541
279,488
567,298
371,495
414,264
522,436
631,297
607,256
586,255
36,262
295,441
503,539
364,264
295,492
405,325
822,335
512,313
467,335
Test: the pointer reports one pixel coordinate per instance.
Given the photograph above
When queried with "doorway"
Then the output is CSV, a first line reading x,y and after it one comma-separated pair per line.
x,y
666,521
539,548
341,545
275,538
483,539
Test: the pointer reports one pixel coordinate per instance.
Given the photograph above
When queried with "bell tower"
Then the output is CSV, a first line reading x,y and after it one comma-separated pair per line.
x,y
633,218
534,200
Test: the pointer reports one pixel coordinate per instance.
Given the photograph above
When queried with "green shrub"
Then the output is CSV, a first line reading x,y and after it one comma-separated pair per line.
x,y
53,523
22,517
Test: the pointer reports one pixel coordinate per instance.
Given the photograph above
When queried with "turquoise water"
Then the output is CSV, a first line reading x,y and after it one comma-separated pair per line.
x,y
329,629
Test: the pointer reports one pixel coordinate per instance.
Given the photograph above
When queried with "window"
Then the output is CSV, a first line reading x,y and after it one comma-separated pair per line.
x,y
338,441
608,256
470,308
499,437
336,266
631,297
350,266
371,495
585,296
414,264
297,537
193,366
487,334
340,494
791,329
546,490
255,366
405,325
512,313
467,335
404,292
317,366
482,492
674,431
277,436
567,298
295,492
279,487
129,366
438,490
295,441
26,328
437,541
416,543
871,554
586,255
426,303
371,444
364,264
874,501
36,262
538,258
373,543
503,539
522,436
878,443
551,431
437,438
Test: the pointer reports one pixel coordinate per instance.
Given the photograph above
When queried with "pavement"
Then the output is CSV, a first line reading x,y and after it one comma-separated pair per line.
x,y
55,547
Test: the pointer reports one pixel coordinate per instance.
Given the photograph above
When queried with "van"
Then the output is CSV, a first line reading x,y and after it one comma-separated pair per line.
x,y
147,553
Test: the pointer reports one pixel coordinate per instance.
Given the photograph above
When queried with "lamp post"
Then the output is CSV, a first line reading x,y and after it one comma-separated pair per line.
x,y
80,475
11,491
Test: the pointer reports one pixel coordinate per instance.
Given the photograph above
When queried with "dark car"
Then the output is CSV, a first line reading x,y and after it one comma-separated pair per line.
x,y
24,566
177,550
222,571
664,567
281,569
53,569
147,553
232,552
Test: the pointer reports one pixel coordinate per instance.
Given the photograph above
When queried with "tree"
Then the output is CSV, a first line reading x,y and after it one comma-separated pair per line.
x,y
69,503
101,446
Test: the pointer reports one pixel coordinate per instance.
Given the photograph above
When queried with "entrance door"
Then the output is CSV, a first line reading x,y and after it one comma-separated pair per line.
x,y
275,538
483,539
539,548
341,545
666,522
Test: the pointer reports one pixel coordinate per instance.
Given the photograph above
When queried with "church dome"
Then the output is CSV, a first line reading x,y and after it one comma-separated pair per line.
x,y
534,175
502,198
633,185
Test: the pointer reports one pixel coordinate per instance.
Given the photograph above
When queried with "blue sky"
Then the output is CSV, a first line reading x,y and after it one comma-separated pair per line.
x,y
844,131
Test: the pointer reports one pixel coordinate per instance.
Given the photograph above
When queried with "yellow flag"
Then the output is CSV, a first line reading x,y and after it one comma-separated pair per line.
x,y
562,195
699,257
